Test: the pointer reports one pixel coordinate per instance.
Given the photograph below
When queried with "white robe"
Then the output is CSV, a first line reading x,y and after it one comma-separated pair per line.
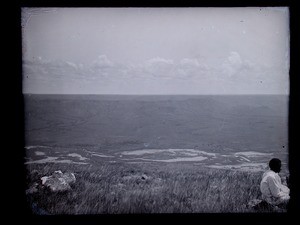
x,y
273,191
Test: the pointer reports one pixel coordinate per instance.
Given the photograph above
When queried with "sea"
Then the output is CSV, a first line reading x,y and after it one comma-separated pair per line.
x,y
221,131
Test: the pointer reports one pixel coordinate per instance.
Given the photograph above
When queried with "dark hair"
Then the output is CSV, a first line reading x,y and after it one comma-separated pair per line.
x,y
275,164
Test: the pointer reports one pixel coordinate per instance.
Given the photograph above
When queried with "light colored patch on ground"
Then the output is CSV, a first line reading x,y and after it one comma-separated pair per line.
x,y
46,160
143,152
252,154
35,146
194,155
138,162
207,153
189,152
101,155
53,160
39,153
77,156
253,167
244,158
185,159
179,159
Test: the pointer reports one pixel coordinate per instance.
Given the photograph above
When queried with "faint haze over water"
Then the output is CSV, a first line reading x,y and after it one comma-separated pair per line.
x,y
156,51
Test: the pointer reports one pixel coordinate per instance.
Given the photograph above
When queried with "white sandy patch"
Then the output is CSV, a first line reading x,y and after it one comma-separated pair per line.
x,y
252,154
53,160
204,153
190,152
35,146
77,156
48,159
254,167
143,152
103,156
186,159
242,157
39,153
179,159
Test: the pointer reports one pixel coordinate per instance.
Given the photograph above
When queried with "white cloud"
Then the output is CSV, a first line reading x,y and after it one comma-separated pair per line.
x,y
232,64
102,62
191,68
158,61
71,64
187,62
157,75
51,76
243,76
159,67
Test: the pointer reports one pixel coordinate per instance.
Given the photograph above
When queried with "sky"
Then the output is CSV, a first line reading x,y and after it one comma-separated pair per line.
x,y
155,50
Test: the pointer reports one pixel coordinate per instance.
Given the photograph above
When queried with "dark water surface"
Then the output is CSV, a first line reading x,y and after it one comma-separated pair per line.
x,y
112,123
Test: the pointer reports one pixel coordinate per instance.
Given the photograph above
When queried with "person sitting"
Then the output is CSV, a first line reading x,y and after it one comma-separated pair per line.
x,y
272,190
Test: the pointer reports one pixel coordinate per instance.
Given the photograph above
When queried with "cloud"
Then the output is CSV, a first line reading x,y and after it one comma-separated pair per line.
x,y
232,65
187,62
238,75
159,61
71,64
191,68
184,69
237,69
46,76
157,75
159,67
102,62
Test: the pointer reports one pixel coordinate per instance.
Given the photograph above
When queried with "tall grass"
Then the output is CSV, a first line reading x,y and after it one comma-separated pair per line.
x,y
146,188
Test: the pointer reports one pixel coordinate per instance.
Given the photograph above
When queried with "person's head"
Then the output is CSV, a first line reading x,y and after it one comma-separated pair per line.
x,y
275,165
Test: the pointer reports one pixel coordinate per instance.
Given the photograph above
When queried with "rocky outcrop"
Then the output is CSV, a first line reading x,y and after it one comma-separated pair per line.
x,y
58,181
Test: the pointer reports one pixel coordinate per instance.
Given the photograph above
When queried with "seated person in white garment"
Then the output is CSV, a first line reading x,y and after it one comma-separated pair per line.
x,y
273,191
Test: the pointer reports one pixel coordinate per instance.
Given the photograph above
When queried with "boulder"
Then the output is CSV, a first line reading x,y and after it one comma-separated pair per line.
x,y
69,178
58,182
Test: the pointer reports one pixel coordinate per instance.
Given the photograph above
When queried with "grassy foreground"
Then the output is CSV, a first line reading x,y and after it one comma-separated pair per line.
x,y
112,188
